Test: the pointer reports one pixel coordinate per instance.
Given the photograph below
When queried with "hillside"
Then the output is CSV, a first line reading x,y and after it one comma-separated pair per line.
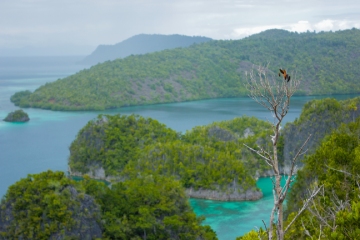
x,y
318,118
141,44
209,161
327,62
334,214
49,205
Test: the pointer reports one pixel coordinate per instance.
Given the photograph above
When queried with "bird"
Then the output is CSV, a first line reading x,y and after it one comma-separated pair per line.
x,y
286,76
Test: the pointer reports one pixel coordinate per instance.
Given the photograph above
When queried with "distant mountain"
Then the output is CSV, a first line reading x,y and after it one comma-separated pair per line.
x,y
141,44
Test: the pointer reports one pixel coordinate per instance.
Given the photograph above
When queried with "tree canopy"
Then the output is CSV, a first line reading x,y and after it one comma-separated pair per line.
x,y
207,157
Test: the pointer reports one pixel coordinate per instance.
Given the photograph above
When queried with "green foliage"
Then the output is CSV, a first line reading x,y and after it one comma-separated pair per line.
x,y
43,206
327,62
209,157
336,165
318,118
148,206
17,116
21,98
253,235
112,141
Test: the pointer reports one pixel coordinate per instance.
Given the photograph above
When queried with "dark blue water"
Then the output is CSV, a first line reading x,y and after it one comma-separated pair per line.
x,y
43,143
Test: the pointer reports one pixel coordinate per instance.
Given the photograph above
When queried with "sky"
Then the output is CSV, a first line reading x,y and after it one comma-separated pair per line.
x,y
77,27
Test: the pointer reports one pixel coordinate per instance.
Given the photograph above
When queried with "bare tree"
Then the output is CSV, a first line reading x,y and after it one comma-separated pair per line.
x,y
327,214
274,93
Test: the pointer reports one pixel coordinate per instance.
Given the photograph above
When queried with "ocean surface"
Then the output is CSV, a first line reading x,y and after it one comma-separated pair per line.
x,y
43,142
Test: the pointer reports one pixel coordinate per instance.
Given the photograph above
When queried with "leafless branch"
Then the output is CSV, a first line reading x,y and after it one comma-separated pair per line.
x,y
274,94
305,205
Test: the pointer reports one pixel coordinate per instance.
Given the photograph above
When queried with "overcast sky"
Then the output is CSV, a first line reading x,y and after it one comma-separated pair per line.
x,y
76,27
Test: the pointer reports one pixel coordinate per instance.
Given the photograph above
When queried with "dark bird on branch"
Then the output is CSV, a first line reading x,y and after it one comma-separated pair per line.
x,y
285,75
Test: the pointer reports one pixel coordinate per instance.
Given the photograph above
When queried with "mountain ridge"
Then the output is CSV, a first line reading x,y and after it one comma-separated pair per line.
x,y
141,44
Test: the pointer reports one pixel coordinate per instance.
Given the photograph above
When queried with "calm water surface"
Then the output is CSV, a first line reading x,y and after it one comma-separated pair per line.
x,y
43,143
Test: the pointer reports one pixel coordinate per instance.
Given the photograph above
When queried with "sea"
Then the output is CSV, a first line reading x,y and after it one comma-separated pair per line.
x,y
43,142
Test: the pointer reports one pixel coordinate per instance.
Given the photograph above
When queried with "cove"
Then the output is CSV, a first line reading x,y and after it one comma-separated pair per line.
x,y
43,143
234,219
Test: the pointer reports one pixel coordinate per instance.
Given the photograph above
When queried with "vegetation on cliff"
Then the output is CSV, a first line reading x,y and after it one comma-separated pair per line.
x,y
334,214
327,63
17,116
319,118
111,142
48,206
147,207
209,157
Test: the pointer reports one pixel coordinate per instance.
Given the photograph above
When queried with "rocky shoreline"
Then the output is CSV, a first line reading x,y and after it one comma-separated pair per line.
x,y
248,195
229,195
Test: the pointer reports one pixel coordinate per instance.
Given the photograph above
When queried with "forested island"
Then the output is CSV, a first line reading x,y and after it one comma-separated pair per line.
x,y
17,116
152,168
327,63
209,161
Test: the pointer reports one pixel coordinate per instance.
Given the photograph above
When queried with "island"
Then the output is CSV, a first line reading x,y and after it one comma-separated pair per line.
x,y
209,161
213,69
17,116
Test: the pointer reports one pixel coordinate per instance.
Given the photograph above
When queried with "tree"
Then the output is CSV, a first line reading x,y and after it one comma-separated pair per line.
x,y
274,94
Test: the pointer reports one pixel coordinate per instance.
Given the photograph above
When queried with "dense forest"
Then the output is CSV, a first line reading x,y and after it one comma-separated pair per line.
x,y
208,157
318,118
141,44
50,205
335,165
327,62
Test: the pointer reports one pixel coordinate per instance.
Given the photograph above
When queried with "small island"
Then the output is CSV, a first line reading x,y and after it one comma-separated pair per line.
x,y
17,116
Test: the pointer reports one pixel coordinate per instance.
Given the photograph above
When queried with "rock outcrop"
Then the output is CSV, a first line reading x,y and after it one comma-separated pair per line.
x,y
86,217
17,116
248,195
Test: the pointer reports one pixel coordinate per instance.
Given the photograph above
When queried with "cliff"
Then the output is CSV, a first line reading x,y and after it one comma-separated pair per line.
x,y
48,206
318,118
209,161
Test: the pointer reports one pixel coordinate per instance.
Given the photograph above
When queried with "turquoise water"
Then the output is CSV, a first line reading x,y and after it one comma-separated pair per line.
x,y
233,219
43,142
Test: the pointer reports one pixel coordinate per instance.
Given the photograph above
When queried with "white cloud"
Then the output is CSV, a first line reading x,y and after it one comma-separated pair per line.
x,y
300,26
93,22
247,31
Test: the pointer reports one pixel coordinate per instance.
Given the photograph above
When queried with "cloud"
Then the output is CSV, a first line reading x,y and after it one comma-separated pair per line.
x,y
93,22
300,26
323,25
247,31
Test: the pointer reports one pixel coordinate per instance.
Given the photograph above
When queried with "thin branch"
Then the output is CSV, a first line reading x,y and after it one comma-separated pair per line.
x,y
285,189
305,205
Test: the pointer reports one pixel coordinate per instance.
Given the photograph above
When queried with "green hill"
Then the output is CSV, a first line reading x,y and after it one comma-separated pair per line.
x,y
335,165
210,161
327,62
49,205
318,118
